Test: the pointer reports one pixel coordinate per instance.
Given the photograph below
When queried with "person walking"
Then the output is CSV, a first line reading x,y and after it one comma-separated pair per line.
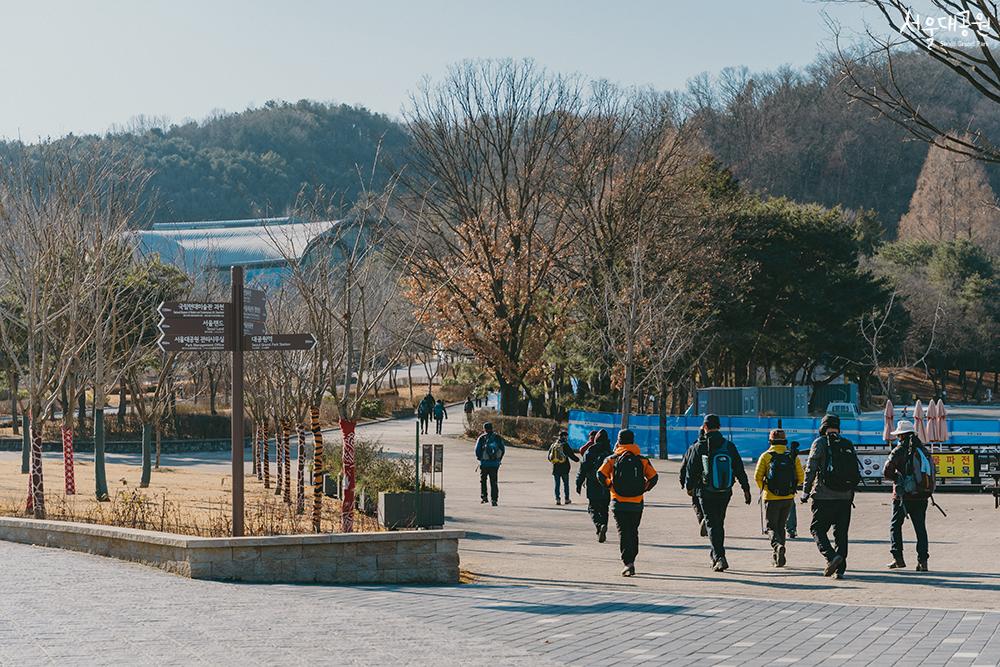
x,y
490,449
590,443
713,470
778,474
424,409
469,408
560,454
910,468
628,475
685,470
598,496
833,472
440,414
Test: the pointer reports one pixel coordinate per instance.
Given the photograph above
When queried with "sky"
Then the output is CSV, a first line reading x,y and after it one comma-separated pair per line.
x,y
69,66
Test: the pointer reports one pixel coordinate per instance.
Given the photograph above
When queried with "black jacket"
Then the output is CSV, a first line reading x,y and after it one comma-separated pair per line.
x,y
587,474
563,468
690,454
712,442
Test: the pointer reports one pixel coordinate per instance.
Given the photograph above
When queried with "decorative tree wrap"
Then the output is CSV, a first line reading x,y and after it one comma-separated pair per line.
x,y
36,501
265,455
317,468
286,435
300,502
279,457
67,443
255,448
347,502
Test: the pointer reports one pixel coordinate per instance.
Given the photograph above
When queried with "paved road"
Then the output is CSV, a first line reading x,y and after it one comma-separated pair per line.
x,y
68,608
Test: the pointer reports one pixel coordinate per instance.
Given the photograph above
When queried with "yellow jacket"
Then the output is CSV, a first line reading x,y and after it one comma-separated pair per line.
x,y
765,461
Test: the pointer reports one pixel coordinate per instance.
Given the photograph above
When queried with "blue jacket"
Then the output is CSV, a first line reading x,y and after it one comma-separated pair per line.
x,y
480,451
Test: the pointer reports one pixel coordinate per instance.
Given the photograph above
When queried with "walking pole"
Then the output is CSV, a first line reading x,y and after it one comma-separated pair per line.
x,y
760,504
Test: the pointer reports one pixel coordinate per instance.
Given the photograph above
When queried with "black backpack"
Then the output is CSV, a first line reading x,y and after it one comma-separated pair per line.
x,y
629,476
843,469
780,478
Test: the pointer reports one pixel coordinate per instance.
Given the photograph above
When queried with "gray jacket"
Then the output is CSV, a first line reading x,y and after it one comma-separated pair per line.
x,y
816,463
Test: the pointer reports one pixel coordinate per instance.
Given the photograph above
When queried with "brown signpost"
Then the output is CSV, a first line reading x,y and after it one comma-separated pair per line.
x,y
188,326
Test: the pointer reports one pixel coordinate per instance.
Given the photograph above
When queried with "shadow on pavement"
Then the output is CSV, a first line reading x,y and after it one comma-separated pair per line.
x,y
582,609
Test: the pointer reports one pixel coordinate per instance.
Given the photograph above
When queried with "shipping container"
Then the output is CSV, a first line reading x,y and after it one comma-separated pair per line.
x,y
783,401
729,401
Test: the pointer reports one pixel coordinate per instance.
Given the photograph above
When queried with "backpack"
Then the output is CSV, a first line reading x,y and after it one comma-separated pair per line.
x,y
438,411
843,469
629,475
918,476
717,471
780,477
556,453
491,448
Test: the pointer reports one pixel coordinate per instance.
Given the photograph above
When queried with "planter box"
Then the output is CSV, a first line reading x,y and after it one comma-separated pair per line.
x,y
399,510
330,487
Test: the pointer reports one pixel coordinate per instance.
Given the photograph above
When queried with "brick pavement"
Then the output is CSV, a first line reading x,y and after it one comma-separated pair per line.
x,y
61,608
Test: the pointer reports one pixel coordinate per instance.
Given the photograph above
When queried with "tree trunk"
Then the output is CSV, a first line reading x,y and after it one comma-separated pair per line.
x,y
100,473
25,444
14,382
317,513
81,410
663,420
158,444
36,499
347,502
147,446
213,388
508,398
122,403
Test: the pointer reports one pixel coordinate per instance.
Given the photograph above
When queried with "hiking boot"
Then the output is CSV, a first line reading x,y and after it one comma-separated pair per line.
x,y
484,501
897,563
558,502
780,556
921,566
568,502
602,533
494,503
792,534
704,528
833,565
629,570
774,558
838,575
721,565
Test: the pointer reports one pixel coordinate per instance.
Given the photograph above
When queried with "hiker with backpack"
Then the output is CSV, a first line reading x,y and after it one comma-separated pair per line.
x,y
778,474
628,475
910,468
469,407
715,466
490,449
560,454
598,496
440,414
689,455
833,472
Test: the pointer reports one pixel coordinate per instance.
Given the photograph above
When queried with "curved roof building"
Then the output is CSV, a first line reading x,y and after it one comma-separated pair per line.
x,y
263,246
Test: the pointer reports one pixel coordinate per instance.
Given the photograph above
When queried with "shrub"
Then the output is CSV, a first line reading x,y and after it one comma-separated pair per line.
x,y
372,408
377,470
533,431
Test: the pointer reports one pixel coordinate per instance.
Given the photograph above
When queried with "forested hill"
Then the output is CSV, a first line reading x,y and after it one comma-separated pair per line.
x,y
257,161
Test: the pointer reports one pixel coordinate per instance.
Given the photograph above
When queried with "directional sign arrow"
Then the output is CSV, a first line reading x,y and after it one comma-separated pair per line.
x,y
193,309
193,326
193,343
273,342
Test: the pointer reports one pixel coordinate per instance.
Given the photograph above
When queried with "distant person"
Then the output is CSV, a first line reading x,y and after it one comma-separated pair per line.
x,y
424,409
469,408
560,454
910,468
440,414
628,475
598,496
479,401
778,474
833,472
685,470
490,450
713,470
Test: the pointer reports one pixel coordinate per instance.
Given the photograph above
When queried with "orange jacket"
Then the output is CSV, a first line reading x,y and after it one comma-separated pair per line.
x,y
607,471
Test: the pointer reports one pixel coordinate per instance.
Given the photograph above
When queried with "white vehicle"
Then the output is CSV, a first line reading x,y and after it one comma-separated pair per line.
x,y
843,410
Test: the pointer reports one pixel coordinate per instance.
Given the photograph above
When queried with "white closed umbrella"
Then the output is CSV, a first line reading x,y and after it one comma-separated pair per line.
x,y
942,425
889,419
918,421
932,426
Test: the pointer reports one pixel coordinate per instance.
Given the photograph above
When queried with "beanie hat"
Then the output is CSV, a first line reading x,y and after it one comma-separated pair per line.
x,y
626,437
777,435
488,427
712,421
828,422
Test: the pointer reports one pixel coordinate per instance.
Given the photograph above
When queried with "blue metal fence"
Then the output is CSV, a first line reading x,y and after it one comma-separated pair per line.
x,y
749,434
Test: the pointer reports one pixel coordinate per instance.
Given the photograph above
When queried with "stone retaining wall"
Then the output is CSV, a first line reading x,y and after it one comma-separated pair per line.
x,y
429,556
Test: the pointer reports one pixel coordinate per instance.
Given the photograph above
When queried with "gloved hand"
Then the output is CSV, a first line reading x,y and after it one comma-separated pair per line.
x,y
746,496
578,487
804,498
690,492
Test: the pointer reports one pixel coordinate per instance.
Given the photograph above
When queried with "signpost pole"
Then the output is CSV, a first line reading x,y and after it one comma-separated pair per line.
x,y
236,277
